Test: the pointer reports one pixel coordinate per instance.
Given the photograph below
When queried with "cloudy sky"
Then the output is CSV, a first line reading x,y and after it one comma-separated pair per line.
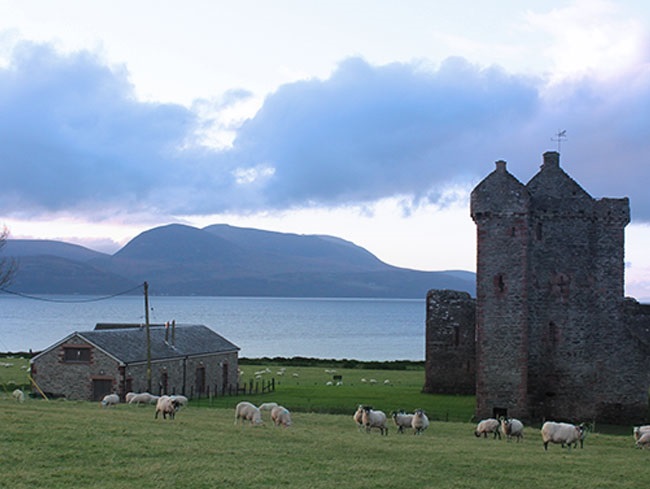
x,y
370,120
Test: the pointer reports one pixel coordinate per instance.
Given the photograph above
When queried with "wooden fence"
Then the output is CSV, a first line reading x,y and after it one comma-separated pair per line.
x,y
247,388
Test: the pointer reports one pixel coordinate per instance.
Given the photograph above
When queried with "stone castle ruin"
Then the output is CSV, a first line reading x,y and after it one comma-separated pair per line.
x,y
550,334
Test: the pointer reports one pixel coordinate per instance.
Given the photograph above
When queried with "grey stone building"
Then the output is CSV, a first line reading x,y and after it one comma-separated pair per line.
x,y
554,336
191,360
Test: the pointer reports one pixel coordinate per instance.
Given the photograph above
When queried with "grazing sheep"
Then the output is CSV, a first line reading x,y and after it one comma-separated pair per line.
x,y
512,427
583,434
281,416
167,406
143,398
639,431
644,440
247,411
128,397
110,400
402,420
489,425
374,419
182,400
358,417
562,433
420,422
267,406
18,395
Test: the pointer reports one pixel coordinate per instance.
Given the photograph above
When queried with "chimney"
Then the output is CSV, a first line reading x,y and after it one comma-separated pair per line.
x,y
501,166
173,332
551,160
166,331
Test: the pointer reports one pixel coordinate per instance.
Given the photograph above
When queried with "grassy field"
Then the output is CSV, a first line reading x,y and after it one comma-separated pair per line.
x,y
79,444
305,389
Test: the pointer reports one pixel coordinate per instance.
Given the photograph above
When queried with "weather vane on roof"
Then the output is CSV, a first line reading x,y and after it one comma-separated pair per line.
x,y
559,137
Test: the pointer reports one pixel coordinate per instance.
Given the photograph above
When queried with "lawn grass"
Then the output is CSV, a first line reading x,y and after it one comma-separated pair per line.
x,y
71,444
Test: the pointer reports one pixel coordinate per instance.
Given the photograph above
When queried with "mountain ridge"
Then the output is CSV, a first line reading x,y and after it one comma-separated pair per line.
x,y
222,260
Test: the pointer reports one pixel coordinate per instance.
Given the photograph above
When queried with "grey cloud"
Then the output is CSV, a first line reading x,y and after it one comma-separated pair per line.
x,y
74,138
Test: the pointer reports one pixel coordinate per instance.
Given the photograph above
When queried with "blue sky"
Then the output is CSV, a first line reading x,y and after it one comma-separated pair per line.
x,y
368,120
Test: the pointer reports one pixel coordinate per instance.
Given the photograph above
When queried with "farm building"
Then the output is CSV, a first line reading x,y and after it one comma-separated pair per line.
x,y
191,360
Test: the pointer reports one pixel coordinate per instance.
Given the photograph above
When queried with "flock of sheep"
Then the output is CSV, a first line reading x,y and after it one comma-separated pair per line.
x,y
367,418
564,434
165,405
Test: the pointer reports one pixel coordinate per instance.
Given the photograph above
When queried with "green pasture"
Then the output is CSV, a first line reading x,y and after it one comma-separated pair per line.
x,y
69,444
13,373
306,389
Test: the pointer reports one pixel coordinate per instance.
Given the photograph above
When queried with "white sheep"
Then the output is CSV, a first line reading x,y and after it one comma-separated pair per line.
x,y
110,400
358,417
639,431
512,427
486,426
420,422
267,406
643,441
182,400
143,398
374,419
167,406
247,411
18,395
128,397
562,433
281,416
402,420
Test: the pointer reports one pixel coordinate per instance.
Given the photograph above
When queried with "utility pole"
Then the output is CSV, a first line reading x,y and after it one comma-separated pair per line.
x,y
146,319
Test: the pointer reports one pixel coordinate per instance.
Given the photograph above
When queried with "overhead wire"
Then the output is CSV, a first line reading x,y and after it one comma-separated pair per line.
x,y
69,301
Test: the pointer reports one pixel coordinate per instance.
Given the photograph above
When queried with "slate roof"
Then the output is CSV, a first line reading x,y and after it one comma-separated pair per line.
x,y
128,343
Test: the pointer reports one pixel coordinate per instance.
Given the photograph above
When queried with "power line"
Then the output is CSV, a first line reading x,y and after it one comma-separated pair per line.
x,y
66,301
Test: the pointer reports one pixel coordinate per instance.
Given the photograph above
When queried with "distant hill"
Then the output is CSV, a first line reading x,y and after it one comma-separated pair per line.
x,y
223,260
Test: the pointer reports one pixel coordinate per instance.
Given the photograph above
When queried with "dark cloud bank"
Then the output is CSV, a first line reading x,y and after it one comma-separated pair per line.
x,y
74,138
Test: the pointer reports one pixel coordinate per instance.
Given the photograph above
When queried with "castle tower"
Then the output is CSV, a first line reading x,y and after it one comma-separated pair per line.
x,y
551,339
500,207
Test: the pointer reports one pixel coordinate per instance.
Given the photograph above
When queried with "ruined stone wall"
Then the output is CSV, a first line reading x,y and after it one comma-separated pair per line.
x,y
450,355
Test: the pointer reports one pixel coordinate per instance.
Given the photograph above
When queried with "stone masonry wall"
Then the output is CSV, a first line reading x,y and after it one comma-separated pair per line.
x,y
181,375
73,380
450,356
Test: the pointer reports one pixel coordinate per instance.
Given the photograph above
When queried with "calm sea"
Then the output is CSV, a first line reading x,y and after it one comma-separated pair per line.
x,y
361,329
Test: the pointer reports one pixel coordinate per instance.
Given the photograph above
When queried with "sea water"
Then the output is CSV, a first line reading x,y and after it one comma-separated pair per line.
x,y
361,329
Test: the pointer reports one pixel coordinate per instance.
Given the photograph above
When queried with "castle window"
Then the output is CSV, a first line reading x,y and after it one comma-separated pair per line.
x,y
456,336
538,231
500,284
553,334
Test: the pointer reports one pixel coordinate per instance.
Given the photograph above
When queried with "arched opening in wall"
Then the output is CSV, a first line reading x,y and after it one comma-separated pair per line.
x,y
538,231
456,336
164,382
498,412
224,377
199,380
